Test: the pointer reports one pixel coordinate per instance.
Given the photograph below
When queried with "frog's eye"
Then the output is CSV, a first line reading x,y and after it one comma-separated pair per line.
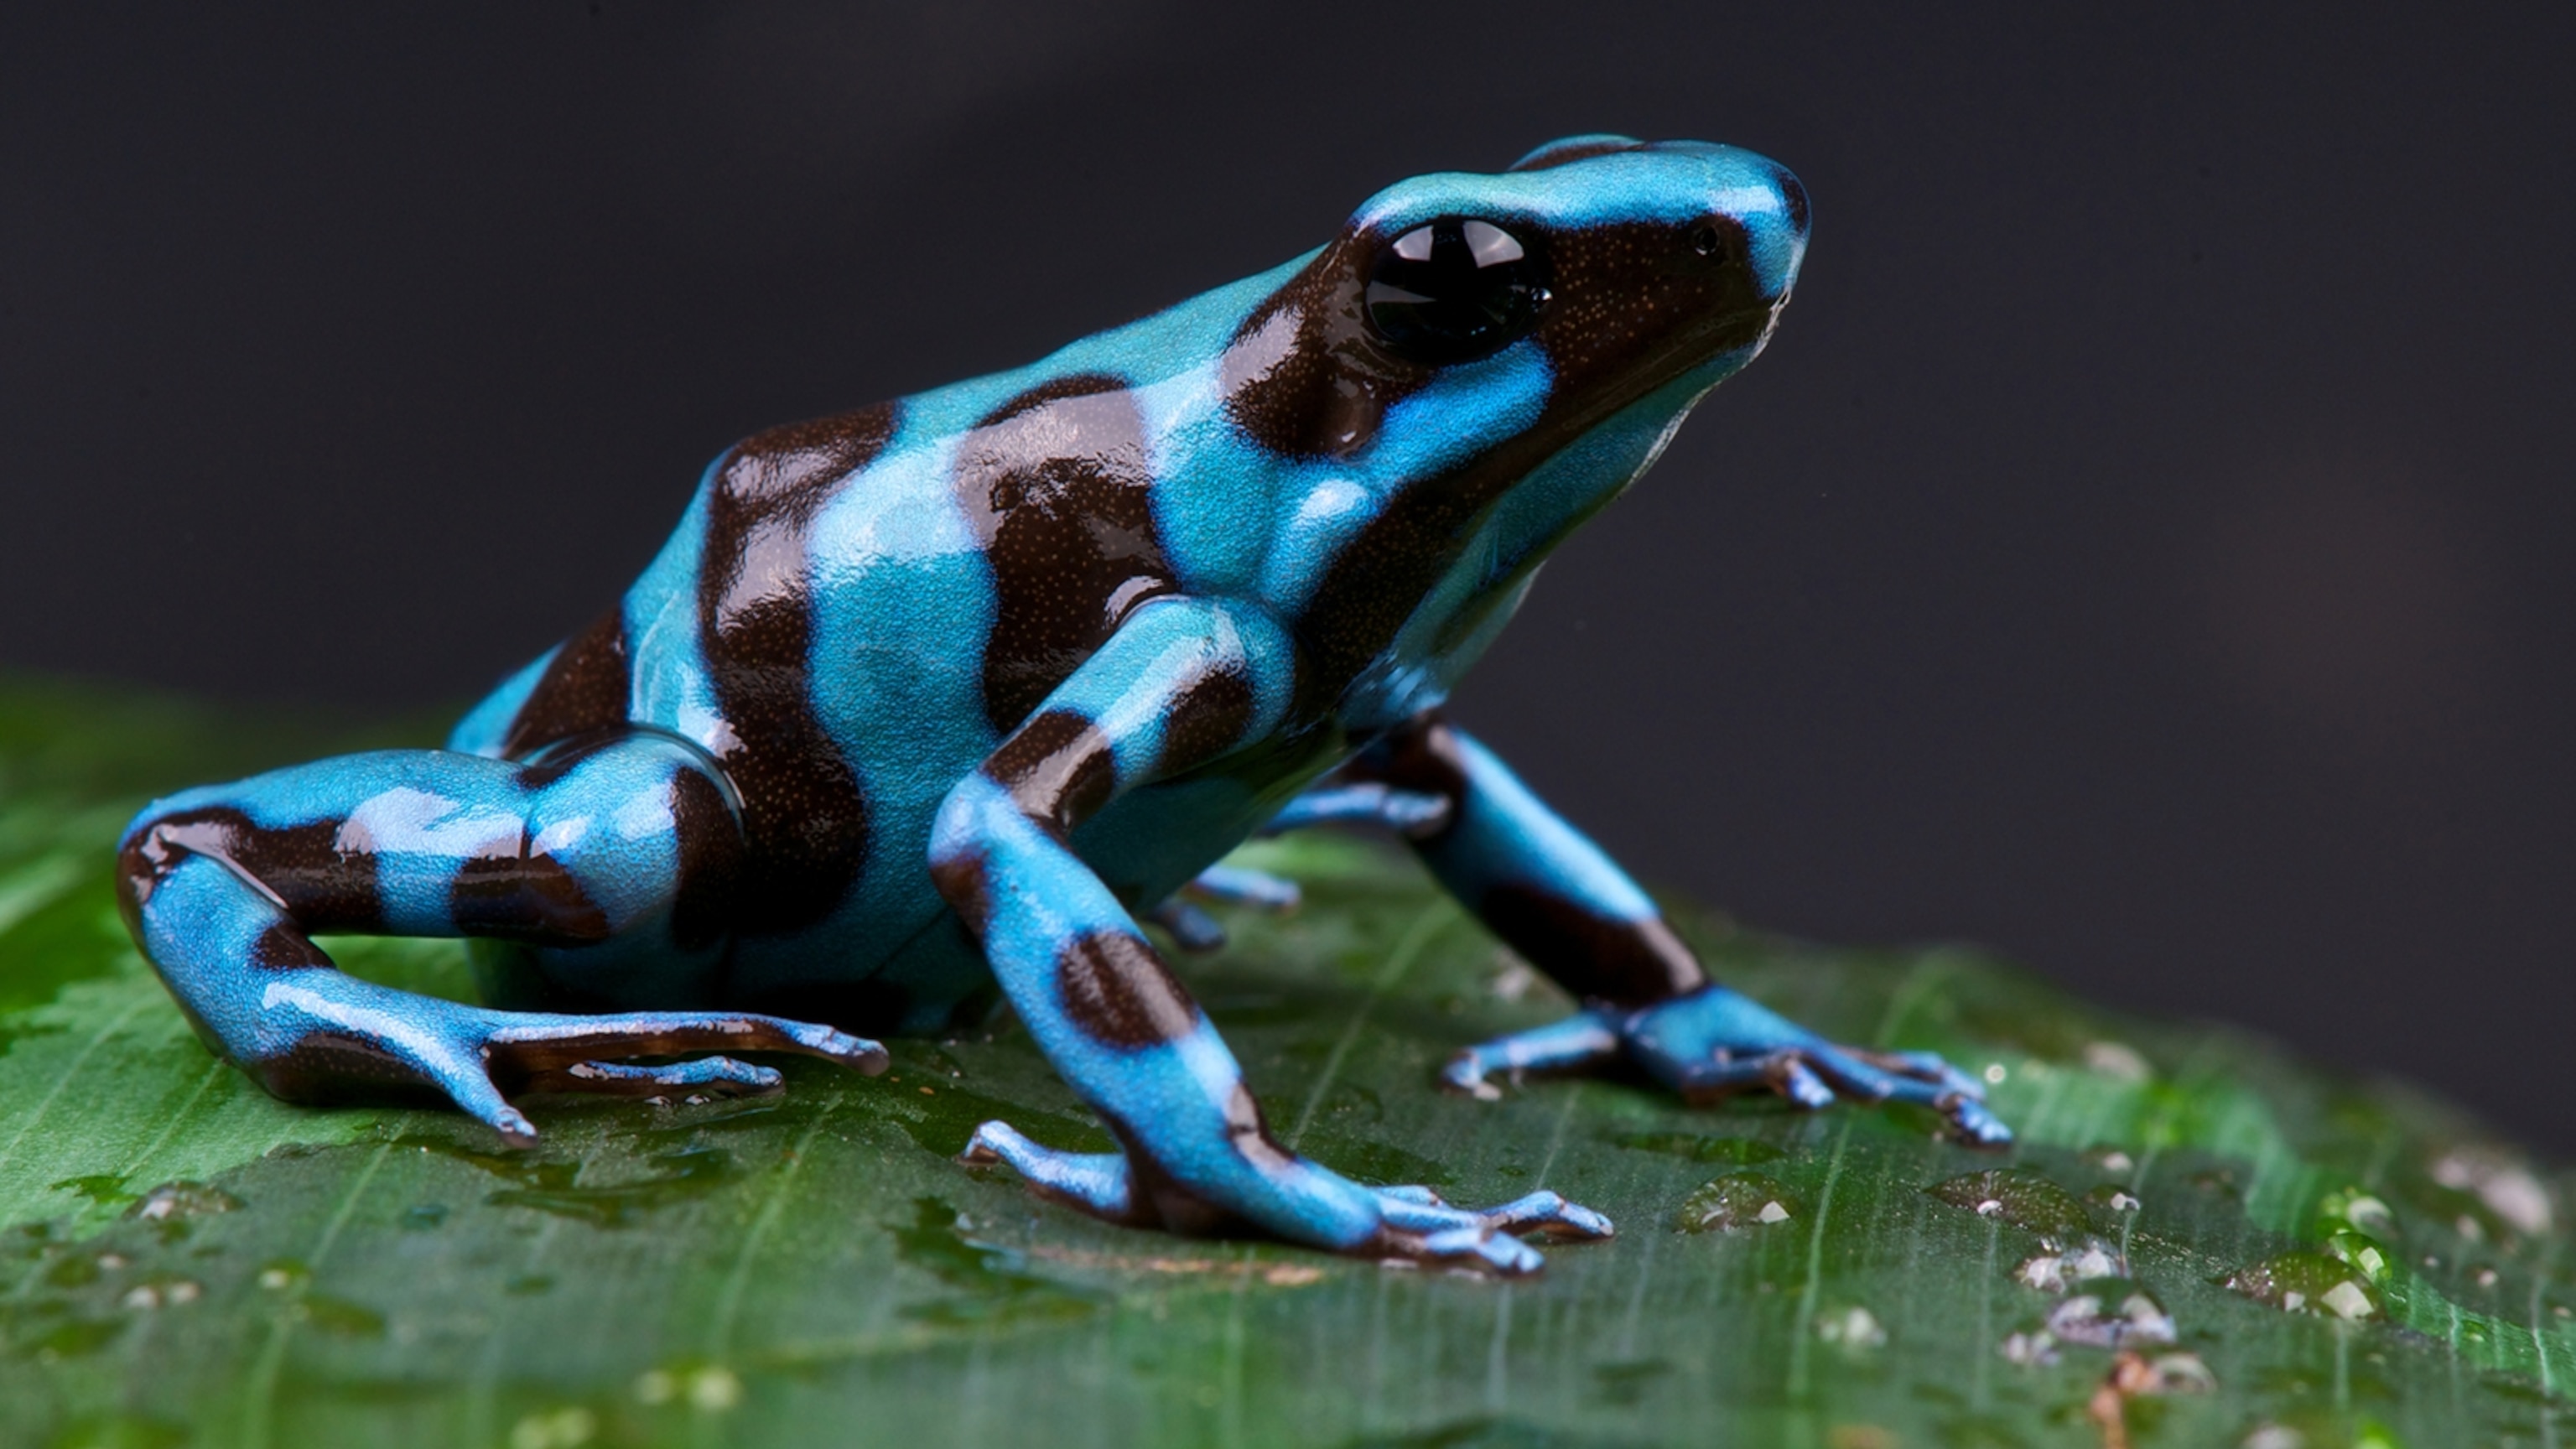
x,y
1453,290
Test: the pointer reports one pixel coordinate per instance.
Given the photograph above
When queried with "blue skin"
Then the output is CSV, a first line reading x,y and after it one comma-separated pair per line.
x,y
952,692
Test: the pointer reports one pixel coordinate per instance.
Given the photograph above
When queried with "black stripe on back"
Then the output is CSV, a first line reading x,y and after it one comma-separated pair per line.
x,y
804,819
1059,494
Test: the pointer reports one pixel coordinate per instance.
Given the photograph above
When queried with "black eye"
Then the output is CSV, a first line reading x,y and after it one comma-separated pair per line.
x,y
1454,290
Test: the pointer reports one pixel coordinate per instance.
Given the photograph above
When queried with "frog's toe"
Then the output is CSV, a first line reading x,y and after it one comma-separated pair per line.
x,y
1714,1043
1419,1225
1581,1040
1095,1182
706,1076
1414,813
1243,886
1193,930
1481,1250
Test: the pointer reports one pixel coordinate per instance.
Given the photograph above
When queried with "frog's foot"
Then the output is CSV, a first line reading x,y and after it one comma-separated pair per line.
x,y
1413,1225
328,1037
484,1052
1198,932
1422,1227
1713,1043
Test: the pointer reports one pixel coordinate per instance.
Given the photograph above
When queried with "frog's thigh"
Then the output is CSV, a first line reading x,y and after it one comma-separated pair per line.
x,y
631,840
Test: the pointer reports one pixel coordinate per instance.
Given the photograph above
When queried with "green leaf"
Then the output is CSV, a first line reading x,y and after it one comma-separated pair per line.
x,y
2200,1241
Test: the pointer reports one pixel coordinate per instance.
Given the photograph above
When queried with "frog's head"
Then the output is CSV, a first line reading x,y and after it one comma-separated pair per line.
x,y
1523,310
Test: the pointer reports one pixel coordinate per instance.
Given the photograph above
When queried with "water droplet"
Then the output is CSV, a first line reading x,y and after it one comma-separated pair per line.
x,y
2353,1210
2056,1272
2502,1182
2030,1350
566,1428
1737,1200
2021,1197
2166,1373
714,1389
2118,1061
2303,1281
174,1200
2111,1313
1854,1327
2111,1159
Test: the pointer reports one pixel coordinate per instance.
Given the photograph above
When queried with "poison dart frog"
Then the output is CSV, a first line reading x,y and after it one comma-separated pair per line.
x,y
954,691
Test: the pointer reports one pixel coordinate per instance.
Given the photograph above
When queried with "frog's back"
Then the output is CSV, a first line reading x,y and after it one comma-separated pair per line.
x,y
854,611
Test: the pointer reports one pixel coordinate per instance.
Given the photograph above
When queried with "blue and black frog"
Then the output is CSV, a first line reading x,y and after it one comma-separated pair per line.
x,y
954,691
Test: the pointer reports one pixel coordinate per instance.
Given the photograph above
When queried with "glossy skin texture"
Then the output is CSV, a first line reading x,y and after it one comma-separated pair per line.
x,y
946,693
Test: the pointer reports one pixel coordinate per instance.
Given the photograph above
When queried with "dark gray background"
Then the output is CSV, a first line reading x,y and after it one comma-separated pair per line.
x,y
2146,547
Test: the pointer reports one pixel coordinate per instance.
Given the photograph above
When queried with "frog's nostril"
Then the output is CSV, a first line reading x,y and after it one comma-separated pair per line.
x,y
1704,239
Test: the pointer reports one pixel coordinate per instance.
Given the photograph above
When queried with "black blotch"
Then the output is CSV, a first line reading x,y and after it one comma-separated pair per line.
x,y
1059,494
1594,956
710,844
585,689
1057,767
1597,957
1302,376
524,897
323,887
804,820
1207,718
1079,384
283,948
1795,193
1119,993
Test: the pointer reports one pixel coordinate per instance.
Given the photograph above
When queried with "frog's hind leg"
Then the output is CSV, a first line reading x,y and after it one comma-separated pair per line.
x,y
627,844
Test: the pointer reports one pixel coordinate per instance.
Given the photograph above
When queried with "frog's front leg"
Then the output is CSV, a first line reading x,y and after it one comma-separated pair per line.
x,y
627,842
1183,683
1554,897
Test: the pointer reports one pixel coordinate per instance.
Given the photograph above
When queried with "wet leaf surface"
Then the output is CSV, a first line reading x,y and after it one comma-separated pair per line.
x,y
184,1261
